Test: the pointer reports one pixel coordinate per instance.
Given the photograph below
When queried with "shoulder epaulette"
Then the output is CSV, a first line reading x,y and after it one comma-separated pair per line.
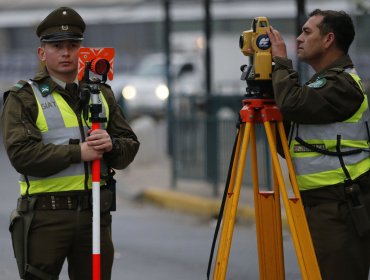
x,y
14,88
337,69
19,85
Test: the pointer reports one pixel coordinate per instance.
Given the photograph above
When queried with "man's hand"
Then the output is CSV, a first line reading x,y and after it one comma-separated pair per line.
x,y
95,145
88,153
99,140
278,47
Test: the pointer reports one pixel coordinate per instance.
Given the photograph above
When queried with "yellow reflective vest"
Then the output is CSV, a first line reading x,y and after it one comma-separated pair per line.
x,y
314,169
59,125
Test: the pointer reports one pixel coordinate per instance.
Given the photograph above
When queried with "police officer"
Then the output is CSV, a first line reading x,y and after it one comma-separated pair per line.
x,y
329,141
50,144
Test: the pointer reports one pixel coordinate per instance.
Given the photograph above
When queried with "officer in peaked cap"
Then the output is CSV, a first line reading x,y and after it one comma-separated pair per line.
x,y
57,148
61,24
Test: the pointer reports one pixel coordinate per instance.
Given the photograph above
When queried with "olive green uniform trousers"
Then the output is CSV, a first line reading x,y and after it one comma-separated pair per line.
x,y
341,253
56,235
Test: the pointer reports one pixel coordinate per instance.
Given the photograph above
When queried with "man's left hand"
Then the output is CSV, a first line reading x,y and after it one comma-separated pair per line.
x,y
278,47
99,139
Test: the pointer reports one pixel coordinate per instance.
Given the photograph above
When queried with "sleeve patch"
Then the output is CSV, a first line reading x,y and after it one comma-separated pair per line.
x,y
319,83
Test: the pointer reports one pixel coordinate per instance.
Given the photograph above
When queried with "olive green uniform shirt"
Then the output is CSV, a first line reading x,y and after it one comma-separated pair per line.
x,y
331,95
23,140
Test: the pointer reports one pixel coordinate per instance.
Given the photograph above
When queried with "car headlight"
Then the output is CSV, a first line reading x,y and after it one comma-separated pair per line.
x,y
162,92
129,92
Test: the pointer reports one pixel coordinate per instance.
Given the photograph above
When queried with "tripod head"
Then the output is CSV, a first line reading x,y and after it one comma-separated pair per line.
x,y
255,44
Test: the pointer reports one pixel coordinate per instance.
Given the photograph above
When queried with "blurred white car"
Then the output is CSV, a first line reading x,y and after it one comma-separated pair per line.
x,y
145,91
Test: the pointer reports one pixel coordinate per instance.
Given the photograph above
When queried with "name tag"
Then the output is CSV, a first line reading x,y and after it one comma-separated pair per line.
x,y
302,149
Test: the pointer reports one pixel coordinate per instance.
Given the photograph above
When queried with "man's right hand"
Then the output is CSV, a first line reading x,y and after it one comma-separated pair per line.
x,y
278,47
88,153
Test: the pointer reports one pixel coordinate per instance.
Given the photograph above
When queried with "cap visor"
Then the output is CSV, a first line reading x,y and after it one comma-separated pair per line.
x,y
61,37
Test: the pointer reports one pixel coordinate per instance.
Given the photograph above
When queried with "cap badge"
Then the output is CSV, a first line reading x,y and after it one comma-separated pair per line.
x,y
64,27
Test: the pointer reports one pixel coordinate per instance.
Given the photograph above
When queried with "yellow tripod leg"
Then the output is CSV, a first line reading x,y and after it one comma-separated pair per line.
x,y
294,209
268,225
231,205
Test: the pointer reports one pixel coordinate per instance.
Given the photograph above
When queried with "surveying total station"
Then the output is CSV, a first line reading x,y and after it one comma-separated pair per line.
x,y
259,108
255,44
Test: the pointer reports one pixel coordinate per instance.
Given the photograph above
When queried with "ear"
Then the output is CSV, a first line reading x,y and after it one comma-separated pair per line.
x,y
41,53
329,40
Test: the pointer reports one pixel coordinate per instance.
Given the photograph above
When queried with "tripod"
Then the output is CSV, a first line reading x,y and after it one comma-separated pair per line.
x,y
267,203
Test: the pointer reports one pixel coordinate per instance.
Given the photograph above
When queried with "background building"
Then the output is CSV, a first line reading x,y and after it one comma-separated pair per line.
x,y
136,28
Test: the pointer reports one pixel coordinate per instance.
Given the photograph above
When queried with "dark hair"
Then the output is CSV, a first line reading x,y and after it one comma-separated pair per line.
x,y
340,23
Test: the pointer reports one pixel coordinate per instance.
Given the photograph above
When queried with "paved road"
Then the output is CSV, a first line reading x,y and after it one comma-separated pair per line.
x,y
150,242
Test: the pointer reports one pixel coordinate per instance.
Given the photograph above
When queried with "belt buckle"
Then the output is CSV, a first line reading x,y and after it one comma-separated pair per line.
x,y
69,202
53,202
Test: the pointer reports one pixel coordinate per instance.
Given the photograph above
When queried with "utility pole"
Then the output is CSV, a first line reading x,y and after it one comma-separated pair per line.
x,y
300,20
208,34
171,133
212,133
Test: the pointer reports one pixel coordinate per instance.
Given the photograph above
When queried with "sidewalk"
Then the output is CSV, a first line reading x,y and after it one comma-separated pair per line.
x,y
151,182
148,179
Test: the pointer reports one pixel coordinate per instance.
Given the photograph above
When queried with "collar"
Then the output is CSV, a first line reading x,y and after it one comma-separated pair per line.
x,y
44,80
61,83
342,62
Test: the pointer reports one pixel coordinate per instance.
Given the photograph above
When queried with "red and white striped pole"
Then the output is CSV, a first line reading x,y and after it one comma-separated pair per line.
x,y
96,108
101,67
96,201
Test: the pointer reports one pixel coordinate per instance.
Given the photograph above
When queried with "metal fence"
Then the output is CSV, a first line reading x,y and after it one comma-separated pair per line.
x,y
202,143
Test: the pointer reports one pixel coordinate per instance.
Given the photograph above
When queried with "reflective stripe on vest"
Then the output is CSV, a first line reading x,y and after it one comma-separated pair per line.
x,y
316,170
58,123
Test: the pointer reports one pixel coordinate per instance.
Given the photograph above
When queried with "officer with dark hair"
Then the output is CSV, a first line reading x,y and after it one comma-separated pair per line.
x,y
51,145
329,141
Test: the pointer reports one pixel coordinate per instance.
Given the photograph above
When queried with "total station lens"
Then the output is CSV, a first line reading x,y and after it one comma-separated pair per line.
x,y
241,41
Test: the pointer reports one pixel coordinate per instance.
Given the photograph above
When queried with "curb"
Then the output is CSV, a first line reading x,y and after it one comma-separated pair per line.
x,y
191,204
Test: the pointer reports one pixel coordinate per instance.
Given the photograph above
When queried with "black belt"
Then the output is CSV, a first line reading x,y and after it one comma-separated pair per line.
x,y
333,193
56,202
62,202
